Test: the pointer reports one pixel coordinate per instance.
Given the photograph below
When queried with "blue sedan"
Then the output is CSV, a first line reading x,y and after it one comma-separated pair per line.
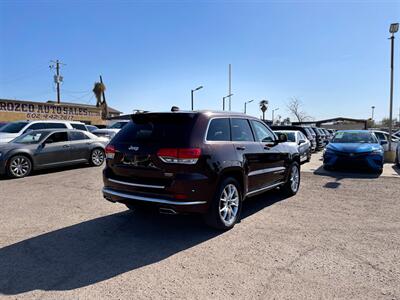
x,y
358,148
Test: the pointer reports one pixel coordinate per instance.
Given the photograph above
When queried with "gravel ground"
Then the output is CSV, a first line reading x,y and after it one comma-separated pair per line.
x,y
338,238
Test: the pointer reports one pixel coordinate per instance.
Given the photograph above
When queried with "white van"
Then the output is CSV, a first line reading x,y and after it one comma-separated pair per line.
x,y
15,129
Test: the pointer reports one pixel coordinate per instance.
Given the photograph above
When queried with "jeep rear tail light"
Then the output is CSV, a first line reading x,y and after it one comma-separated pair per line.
x,y
188,156
110,151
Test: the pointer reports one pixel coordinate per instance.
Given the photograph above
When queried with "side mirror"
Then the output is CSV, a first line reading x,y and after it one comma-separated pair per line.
x,y
301,142
382,142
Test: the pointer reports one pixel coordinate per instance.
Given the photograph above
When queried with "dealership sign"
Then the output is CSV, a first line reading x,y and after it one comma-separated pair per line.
x,y
41,110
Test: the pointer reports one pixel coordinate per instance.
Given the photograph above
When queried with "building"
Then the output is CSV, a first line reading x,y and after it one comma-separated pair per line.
x,y
339,123
14,110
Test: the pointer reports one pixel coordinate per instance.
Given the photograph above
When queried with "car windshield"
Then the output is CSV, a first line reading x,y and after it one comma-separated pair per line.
x,y
13,127
30,138
291,137
118,125
354,137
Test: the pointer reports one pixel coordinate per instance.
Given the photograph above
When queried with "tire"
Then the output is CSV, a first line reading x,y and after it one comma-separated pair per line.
x,y
291,187
226,205
97,157
19,166
397,160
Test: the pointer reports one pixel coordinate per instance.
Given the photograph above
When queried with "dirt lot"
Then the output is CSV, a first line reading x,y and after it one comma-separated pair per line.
x,y
338,238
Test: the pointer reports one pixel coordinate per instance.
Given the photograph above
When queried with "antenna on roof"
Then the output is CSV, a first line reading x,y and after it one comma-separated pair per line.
x,y
174,108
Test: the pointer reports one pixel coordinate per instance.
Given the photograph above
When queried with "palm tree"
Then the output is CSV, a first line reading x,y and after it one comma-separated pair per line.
x,y
263,106
98,91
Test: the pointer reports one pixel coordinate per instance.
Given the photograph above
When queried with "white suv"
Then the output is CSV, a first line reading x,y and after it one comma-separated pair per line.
x,y
15,129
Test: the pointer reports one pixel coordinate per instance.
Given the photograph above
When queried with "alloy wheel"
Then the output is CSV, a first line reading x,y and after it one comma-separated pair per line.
x,y
229,204
20,166
97,157
294,178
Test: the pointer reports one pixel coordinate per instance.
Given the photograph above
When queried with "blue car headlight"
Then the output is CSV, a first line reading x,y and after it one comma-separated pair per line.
x,y
329,151
377,151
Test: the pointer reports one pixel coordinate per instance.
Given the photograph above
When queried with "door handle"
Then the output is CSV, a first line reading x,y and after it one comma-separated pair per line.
x,y
241,148
266,148
66,146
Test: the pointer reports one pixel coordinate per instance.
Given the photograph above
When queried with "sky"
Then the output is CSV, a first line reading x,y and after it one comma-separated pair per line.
x,y
332,55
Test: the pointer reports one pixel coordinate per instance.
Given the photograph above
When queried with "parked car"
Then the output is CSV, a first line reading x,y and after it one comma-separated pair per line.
x,y
105,133
297,139
327,134
397,135
40,149
324,137
91,128
15,129
198,162
313,136
319,138
305,130
355,148
384,136
111,131
119,124
398,155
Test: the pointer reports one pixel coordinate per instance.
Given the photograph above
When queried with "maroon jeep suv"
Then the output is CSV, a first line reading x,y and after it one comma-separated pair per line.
x,y
197,162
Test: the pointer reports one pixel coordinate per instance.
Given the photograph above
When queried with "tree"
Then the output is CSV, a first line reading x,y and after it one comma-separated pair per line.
x,y
295,108
386,122
286,121
263,106
98,90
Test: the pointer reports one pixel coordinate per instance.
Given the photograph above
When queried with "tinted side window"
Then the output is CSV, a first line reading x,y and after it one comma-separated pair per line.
x,y
219,130
55,125
77,136
262,133
57,137
79,126
36,126
241,130
380,136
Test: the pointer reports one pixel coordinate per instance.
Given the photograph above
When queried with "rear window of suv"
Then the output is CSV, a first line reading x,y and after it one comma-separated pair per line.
x,y
166,129
79,126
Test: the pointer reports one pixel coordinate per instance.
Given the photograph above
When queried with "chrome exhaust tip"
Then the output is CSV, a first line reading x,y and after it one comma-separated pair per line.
x,y
167,211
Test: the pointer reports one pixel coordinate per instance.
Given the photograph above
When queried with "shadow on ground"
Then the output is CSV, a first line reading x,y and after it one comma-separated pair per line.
x,y
347,173
51,170
99,249
396,169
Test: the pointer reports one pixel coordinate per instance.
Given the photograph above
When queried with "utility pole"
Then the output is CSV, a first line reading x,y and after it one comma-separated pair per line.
x,y
372,115
57,78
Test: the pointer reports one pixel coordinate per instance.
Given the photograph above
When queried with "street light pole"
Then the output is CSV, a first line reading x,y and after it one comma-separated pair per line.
x,y
273,113
393,29
192,92
372,115
245,104
223,100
